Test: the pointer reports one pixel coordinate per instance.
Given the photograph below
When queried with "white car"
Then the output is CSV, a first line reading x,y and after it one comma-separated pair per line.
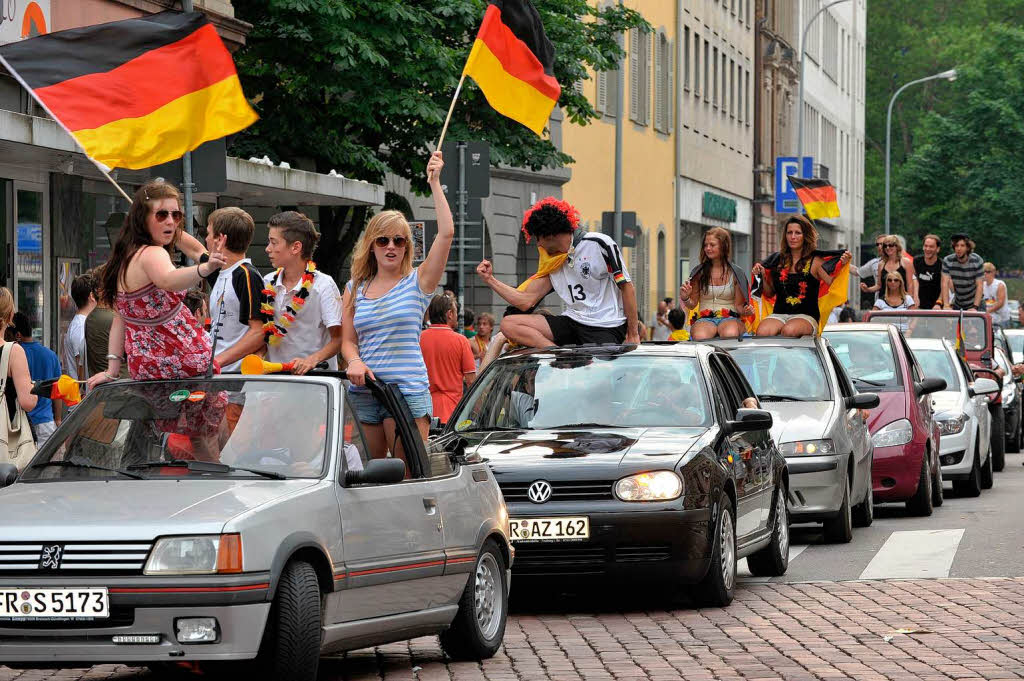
x,y
1016,339
961,411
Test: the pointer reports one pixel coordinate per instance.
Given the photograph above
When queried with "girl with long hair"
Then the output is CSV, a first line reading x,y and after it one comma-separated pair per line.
x,y
717,290
382,314
152,328
794,281
18,382
893,260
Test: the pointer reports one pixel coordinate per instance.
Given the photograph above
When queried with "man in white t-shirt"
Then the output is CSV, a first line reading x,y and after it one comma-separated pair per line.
x,y
308,332
73,352
660,328
590,278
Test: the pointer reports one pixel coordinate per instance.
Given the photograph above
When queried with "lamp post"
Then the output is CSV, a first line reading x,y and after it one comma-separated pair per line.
x,y
800,104
948,75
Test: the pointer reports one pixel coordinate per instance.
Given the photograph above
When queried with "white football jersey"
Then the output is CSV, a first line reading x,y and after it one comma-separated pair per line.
x,y
588,282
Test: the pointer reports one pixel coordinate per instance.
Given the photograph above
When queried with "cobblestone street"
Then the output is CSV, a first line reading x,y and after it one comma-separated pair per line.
x,y
870,630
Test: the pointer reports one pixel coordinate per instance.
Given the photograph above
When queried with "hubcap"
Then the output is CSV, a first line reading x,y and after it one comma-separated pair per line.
x,y
728,550
782,520
487,596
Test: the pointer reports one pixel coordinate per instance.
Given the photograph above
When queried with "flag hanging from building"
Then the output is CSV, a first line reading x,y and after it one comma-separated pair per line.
x,y
817,196
512,61
135,93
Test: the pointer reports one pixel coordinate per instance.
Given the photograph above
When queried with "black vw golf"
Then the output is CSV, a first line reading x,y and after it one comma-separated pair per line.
x,y
630,461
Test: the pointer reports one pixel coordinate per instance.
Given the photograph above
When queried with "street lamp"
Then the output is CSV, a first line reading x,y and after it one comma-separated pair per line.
x,y
948,75
800,104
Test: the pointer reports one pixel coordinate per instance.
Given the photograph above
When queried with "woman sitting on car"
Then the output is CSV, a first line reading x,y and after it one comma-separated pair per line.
x,y
717,291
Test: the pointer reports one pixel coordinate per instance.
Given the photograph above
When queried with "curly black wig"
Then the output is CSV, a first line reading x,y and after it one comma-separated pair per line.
x,y
549,217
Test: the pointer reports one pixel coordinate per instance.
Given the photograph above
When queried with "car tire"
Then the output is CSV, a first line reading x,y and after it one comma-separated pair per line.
x,y
1013,437
998,439
773,560
864,512
478,629
986,472
937,496
290,650
971,487
719,585
922,503
839,530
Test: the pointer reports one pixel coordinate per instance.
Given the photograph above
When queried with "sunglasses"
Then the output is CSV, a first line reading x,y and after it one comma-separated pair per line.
x,y
890,245
398,241
162,215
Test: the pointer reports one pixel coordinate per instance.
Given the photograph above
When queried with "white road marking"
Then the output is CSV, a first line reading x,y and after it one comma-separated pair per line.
x,y
743,572
915,554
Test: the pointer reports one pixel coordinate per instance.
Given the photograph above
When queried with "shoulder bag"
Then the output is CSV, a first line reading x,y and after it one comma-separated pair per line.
x,y
17,445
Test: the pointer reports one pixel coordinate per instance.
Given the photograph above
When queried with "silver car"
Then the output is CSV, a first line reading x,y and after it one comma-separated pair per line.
x,y
819,426
240,518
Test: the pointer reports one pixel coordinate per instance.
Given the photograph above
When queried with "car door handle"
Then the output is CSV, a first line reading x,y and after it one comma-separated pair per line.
x,y
430,505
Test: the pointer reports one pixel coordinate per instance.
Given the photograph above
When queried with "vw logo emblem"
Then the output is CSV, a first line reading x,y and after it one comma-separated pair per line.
x,y
539,492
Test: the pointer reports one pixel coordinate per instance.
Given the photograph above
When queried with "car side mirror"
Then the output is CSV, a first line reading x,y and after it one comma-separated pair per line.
x,y
377,472
996,378
749,420
862,401
8,474
436,427
927,386
983,386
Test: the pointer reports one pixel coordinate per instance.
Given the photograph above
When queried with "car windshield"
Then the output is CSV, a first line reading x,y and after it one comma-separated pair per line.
x,y
781,373
1016,341
935,326
867,357
583,390
190,428
936,363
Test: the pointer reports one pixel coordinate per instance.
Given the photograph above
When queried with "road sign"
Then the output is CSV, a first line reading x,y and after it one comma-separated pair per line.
x,y
474,249
786,200
478,170
629,228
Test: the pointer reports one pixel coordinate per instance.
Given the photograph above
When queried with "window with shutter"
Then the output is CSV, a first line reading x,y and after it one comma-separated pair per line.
x,y
659,83
634,75
601,87
714,77
696,66
669,67
646,41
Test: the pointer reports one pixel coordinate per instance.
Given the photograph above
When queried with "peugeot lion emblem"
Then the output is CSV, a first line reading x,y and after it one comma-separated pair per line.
x,y
539,492
49,559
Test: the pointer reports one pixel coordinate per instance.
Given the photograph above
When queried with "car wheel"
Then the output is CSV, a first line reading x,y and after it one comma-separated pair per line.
x,y
998,439
937,497
1013,437
773,560
986,472
290,650
839,530
479,625
922,501
864,512
971,487
719,584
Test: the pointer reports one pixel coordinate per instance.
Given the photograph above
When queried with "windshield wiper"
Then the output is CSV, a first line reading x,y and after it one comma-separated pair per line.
x,y
208,467
781,398
584,425
869,382
70,463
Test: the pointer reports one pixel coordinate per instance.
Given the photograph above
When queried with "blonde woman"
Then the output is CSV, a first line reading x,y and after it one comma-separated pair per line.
x,y
896,297
893,261
382,314
18,382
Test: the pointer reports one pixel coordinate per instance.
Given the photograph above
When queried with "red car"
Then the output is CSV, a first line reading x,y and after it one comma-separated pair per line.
x,y
905,437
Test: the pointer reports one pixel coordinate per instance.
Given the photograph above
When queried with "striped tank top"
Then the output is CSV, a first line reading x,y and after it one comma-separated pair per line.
x,y
388,331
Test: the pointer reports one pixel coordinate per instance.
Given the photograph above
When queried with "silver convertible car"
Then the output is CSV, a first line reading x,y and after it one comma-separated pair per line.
x,y
240,519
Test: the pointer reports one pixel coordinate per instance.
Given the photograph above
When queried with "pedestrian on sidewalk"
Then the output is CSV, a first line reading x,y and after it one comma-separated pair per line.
x,y
677,320
74,340
447,355
660,328
97,333
43,365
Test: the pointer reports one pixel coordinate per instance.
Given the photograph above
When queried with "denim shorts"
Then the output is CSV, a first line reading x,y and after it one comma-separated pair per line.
x,y
369,410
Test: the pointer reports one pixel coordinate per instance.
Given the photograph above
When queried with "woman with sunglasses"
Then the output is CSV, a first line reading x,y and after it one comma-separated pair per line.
x,y
152,328
382,312
896,297
893,261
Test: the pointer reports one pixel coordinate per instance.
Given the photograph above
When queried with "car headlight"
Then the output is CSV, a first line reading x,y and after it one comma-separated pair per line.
x,y
808,447
895,434
951,425
650,486
199,555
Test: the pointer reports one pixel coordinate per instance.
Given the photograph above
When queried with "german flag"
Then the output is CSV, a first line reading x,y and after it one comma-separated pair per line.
x,y
512,61
135,93
817,196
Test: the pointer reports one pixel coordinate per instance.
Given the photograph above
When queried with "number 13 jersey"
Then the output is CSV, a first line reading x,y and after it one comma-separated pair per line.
x,y
588,282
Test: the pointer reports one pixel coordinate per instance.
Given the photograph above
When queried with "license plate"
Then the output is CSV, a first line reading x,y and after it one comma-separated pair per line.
x,y
549,529
31,603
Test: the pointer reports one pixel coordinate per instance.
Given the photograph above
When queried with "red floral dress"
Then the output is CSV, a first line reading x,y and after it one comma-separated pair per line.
x,y
161,337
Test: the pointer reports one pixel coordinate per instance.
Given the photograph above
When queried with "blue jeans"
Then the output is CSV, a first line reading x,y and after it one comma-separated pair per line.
x,y
369,410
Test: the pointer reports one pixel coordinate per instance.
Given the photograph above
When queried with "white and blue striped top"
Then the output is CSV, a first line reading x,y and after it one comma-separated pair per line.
x,y
388,331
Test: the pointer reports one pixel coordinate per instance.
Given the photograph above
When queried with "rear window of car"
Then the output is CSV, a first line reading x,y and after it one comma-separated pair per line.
x,y
934,326
868,357
938,364
782,373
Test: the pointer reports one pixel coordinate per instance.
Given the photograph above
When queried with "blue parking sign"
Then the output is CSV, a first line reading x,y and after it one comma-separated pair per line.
x,y
786,200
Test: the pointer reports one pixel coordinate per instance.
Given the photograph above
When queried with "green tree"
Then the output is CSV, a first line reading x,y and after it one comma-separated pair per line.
x,y
363,86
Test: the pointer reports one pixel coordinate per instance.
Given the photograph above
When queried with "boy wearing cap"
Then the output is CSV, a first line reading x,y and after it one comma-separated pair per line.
x,y
963,273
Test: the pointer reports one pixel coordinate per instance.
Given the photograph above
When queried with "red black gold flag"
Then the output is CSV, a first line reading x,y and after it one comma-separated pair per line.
x,y
512,61
135,93
817,196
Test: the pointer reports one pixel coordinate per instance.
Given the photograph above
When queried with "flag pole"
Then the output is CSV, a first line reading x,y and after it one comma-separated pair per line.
x,y
448,118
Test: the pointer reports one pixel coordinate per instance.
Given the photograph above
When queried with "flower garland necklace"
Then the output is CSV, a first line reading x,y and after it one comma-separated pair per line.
x,y
273,331
802,287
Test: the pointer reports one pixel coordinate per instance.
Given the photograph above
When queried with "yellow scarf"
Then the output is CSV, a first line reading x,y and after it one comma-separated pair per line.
x,y
545,266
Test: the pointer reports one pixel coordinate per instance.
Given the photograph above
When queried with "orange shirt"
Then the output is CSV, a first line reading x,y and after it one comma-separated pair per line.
x,y
448,358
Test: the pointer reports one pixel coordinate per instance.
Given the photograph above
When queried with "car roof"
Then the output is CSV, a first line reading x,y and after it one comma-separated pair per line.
x,y
647,348
784,341
1014,332
928,343
858,326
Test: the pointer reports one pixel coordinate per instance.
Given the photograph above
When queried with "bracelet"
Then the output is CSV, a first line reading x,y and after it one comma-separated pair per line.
x,y
107,374
117,357
198,273
356,359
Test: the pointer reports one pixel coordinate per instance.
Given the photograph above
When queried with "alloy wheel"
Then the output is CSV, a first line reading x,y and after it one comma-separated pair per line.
x,y
782,519
487,598
728,550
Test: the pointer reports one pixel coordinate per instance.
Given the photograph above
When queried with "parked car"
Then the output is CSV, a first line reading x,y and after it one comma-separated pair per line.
x,y
819,426
1011,401
962,412
1015,337
980,343
905,437
153,527
1014,307
637,463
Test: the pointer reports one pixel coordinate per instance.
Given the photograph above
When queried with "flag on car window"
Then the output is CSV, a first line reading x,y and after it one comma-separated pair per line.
x,y
138,92
817,196
512,61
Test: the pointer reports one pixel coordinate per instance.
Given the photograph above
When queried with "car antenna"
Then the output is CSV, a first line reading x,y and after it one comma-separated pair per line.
x,y
215,332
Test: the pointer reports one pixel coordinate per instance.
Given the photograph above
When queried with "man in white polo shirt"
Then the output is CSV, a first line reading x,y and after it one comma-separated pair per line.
x,y
305,304
236,323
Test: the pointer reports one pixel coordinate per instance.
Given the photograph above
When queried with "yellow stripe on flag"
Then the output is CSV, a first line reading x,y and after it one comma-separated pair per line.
x,y
836,295
822,209
168,132
507,94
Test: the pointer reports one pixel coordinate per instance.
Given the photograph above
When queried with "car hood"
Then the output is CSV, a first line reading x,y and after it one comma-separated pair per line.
x,y
799,420
542,452
131,509
947,401
892,406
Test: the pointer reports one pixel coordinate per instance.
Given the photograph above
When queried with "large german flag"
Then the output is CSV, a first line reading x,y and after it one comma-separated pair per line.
x,y
817,196
512,61
135,93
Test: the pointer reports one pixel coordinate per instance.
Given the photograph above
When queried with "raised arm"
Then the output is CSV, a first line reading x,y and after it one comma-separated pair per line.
x,y
522,300
157,265
431,269
192,247
819,272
